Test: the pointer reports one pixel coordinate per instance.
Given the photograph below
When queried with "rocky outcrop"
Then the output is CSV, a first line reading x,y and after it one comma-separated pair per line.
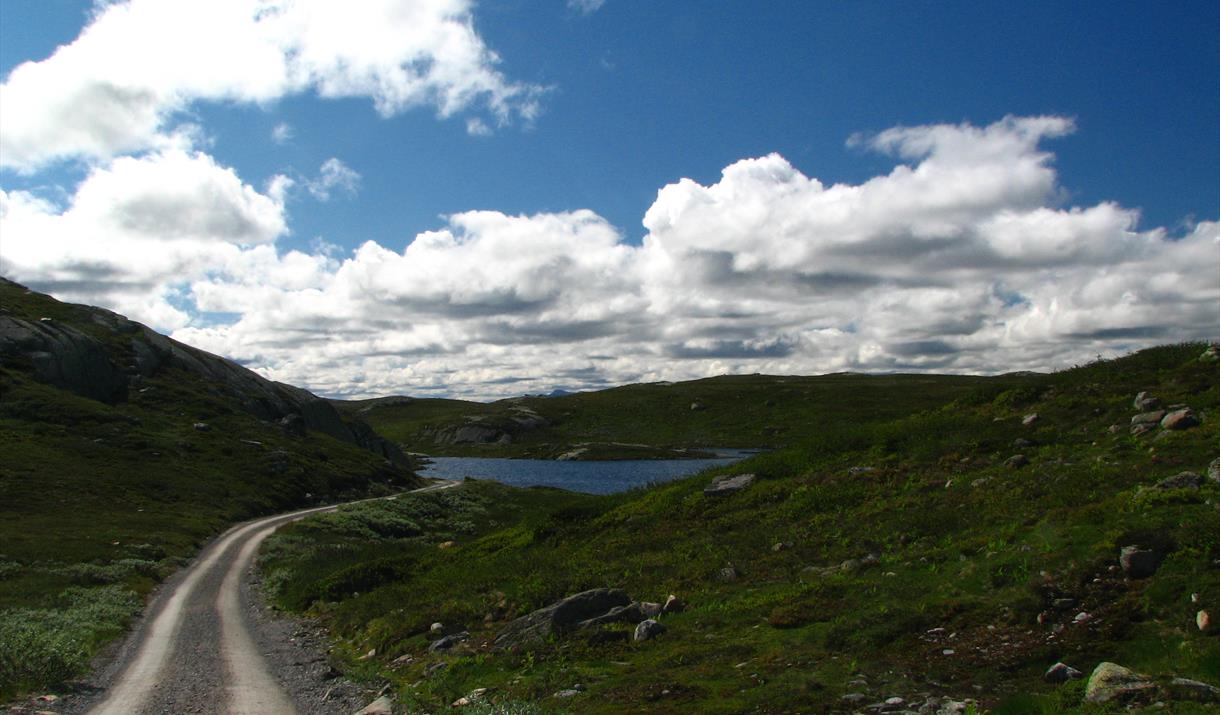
x,y
728,484
63,356
1111,682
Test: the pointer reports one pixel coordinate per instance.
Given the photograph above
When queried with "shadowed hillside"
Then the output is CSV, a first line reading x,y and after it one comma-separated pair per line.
x,y
123,451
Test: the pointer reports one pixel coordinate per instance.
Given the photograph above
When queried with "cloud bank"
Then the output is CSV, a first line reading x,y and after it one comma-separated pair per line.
x,y
123,84
961,258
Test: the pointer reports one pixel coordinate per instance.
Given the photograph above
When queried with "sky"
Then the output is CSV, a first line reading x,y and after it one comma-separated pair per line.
x,y
482,200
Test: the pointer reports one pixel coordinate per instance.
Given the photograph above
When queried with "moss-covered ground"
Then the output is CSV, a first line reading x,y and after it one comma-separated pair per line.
x,y
982,568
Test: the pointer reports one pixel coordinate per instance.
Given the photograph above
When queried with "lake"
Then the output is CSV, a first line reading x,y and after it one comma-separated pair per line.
x,y
588,477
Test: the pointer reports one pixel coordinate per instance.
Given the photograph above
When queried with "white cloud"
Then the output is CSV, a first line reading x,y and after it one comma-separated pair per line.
x,y
961,258
334,175
120,86
586,7
282,133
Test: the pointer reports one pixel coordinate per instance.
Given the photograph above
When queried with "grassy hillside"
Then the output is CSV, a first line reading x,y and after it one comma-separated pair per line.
x,y
903,554
730,411
100,500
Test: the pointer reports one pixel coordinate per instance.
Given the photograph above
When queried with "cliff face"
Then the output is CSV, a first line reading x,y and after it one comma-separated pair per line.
x,y
101,355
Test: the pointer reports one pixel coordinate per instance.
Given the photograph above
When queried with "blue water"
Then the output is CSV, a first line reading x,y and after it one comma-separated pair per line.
x,y
587,477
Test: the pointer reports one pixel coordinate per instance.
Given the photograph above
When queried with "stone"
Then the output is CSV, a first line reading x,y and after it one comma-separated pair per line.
x,y
854,699
473,696
1193,690
1181,480
1152,417
444,545
202,427
1137,562
619,614
1061,673
1145,402
728,484
697,406
562,616
1203,620
1111,682
1022,443
1030,420
651,609
448,642
1016,461
781,546
437,628
381,706
728,574
649,628
1142,428
568,693
1213,470
1184,418
673,604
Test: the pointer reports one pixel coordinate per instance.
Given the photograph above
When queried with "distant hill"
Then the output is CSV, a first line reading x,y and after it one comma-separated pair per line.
x,y
122,450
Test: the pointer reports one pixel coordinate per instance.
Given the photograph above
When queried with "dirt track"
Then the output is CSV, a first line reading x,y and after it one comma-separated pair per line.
x,y
206,644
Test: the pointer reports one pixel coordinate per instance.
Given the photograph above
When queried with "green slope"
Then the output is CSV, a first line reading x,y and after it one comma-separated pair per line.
x,y
974,558
732,411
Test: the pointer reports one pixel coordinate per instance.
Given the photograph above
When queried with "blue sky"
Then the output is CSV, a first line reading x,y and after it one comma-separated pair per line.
x,y
600,108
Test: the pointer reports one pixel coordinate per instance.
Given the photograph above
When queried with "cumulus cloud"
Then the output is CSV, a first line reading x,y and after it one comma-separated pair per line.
x,y
282,133
136,229
122,84
334,176
963,257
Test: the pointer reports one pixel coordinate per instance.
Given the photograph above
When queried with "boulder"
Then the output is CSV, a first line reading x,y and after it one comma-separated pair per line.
x,y
1142,428
64,357
1193,690
1181,480
651,609
648,629
728,484
1152,417
1184,418
673,604
1111,682
1137,562
1016,461
631,613
1145,402
562,616
1203,620
1061,673
728,574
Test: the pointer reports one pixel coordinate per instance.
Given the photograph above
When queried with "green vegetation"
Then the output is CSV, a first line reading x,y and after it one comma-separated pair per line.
x,y
99,502
733,411
891,548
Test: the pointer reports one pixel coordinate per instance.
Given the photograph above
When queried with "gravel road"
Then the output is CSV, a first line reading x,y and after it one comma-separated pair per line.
x,y
208,644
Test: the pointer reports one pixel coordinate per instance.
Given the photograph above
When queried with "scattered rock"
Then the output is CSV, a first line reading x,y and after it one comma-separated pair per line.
x,y
473,697
381,706
1193,690
202,427
857,471
1016,461
1030,420
565,694
437,628
729,484
369,656
1184,418
1181,480
1063,604
1142,428
673,604
1213,470
1137,562
1022,443
649,628
1061,673
781,546
1111,682
728,574
651,609
446,545
619,614
1146,403
854,699
1203,620
448,642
